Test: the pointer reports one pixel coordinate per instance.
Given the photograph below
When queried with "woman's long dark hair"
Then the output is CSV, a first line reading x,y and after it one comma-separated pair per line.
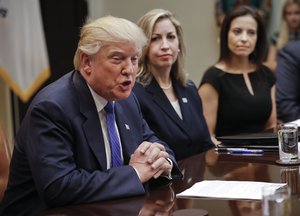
x,y
258,55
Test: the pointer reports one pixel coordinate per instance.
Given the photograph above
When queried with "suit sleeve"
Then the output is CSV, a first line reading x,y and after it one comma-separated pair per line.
x,y
58,178
287,83
150,136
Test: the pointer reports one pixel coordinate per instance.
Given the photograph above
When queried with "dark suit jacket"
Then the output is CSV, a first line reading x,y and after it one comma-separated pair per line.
x,y
185,137
59,155
288,82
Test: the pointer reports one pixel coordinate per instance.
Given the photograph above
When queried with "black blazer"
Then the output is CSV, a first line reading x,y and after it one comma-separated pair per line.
x,y
185,137
59,155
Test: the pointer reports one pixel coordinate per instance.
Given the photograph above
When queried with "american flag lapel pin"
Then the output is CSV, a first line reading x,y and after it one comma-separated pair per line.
x,y
184,100
127,127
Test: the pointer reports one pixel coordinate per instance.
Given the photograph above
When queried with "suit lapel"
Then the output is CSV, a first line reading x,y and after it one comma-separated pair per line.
x,y
91,125
161,100
183,101
94,136
125,131
187,113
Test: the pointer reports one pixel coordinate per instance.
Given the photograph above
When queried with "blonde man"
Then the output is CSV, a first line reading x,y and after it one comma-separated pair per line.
x,y
64,153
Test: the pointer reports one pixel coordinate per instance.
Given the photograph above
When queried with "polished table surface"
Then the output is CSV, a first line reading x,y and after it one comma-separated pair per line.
x,y
206,166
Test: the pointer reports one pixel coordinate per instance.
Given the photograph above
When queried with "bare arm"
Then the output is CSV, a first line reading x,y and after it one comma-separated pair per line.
x,y
272,121
272,57
210,101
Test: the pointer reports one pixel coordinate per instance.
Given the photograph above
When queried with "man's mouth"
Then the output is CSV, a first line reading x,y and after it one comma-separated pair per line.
x,y
126,83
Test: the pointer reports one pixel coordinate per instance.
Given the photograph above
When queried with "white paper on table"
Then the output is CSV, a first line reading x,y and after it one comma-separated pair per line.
x,y
227,189
296,122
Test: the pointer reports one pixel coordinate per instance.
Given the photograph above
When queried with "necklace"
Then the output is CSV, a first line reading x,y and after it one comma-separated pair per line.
x,y
166,87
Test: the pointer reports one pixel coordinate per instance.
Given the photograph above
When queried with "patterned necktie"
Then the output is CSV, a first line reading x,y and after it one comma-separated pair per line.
x,y
113,136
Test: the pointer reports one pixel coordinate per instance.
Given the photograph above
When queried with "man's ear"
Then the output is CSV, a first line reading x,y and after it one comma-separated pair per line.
x,y
85,61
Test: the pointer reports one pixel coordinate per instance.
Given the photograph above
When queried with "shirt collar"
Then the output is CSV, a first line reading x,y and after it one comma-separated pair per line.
x,y
99,101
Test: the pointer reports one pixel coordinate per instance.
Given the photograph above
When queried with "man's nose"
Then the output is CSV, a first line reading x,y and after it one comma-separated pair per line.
x,y
128,67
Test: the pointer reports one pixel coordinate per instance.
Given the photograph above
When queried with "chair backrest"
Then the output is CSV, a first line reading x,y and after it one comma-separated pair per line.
x,y
5,157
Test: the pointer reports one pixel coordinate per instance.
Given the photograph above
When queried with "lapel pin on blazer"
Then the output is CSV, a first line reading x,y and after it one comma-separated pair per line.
x,y
127,127
184,100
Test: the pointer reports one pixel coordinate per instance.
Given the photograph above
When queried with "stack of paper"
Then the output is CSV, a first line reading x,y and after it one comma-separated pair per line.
x,y
227,189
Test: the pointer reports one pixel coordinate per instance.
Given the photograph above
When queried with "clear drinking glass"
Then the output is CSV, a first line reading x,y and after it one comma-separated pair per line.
x,y
276,201
288,142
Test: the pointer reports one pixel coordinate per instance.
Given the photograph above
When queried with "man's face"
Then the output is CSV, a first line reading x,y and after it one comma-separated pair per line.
x,y
111,72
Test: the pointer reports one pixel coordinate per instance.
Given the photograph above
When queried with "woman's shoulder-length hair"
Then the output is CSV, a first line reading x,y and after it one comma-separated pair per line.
x,y
258,55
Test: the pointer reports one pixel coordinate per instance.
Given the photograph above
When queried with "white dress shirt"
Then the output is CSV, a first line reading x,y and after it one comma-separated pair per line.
x,y
100,104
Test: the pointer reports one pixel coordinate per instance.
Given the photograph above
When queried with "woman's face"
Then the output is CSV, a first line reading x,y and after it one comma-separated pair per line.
x,y
242,36
292,16
164,44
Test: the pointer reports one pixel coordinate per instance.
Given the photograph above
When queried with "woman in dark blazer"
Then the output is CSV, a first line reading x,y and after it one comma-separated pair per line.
x,y
169,102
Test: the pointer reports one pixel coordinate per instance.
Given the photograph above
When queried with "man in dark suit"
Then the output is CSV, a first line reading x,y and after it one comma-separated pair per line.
x,y
288,82
63,152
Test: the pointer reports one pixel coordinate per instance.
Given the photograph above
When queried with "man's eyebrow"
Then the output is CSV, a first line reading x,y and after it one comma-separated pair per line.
x,y
121,54
114,53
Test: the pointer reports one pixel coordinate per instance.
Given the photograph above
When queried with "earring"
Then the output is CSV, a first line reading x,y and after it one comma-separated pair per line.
x,y
178,50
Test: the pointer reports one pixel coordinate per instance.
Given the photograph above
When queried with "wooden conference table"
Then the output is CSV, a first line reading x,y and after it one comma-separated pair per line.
x,y
206,166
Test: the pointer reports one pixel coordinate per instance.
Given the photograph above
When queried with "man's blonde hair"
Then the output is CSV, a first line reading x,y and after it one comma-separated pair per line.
x,y
105,30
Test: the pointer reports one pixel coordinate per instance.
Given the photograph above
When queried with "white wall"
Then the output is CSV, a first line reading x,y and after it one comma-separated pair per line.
x,y
275,18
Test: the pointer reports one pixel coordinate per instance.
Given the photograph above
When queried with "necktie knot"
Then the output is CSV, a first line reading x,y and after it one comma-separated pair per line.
x,y
109,108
